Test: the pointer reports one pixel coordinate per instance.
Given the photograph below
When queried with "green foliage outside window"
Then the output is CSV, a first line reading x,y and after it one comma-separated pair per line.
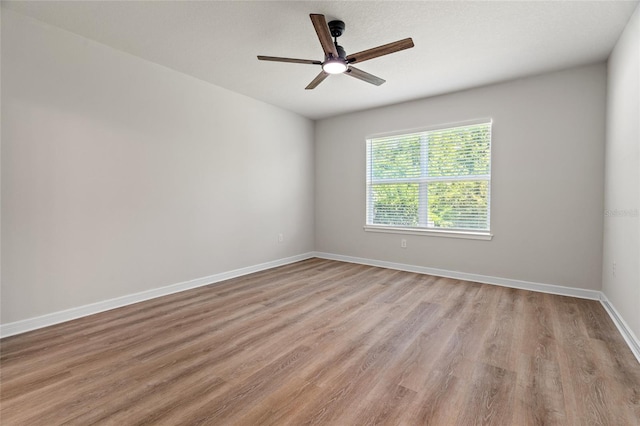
x,y
447,170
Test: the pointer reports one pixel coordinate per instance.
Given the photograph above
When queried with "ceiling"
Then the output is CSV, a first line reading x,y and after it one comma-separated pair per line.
x,y
458,45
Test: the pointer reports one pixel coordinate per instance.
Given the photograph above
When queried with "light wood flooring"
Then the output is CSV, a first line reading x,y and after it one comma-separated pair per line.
x,y
326,342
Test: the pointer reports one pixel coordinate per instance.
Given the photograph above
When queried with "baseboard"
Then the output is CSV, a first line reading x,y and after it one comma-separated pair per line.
x,y
623,328
29,324
505,282
23,326
621,325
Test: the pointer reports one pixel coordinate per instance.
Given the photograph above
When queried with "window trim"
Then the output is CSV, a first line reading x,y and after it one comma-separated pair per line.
x,y
430,128
450,232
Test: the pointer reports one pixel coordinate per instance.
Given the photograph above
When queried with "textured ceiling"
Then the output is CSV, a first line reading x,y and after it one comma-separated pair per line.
x,y
458,45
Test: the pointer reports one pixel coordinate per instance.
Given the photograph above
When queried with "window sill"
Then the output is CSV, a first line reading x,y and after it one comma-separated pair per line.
x,y
430,232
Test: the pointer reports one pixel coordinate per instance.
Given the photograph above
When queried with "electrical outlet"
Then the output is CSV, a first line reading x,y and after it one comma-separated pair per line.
x,y
403,243
280,237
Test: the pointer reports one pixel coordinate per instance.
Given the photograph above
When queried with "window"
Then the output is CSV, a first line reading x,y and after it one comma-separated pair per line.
x,y
435,180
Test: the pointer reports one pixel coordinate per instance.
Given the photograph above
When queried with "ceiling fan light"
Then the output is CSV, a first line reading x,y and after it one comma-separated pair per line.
x,y
334,66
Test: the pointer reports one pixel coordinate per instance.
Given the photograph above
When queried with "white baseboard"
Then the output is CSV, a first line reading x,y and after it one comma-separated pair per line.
x,y
623,328
29,324
23,326
505,282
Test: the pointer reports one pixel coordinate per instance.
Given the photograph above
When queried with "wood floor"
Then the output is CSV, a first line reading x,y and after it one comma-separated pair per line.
x,y
325,342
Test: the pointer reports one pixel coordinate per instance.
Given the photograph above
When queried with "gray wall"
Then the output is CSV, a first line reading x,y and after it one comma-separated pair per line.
x,y
547,190
119,175
622,177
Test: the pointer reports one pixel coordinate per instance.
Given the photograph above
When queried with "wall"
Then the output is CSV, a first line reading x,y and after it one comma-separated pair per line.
x,y
622,177
120,176
547,189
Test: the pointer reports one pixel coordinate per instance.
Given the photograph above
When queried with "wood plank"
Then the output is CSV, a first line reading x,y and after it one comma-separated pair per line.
x,y
490,398
539,393
326,342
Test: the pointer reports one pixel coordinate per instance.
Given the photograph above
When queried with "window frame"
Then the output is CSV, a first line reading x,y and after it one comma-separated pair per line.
x,y
423,182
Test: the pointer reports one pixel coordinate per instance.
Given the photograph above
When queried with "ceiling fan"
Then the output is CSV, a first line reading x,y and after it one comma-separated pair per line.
x,y
336,61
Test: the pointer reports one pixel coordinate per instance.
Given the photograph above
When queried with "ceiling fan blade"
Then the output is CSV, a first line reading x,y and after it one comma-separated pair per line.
x,y
319,79
295,61
322,29
364,76
385,49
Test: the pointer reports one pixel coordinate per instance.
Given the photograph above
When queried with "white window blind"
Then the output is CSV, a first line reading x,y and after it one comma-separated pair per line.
x,y
435,180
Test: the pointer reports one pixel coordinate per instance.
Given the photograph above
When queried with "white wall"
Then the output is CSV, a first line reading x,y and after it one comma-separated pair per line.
x,y
119,175
547,190
622,177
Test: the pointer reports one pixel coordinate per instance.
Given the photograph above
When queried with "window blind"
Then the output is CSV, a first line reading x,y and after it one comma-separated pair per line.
x,y
436,179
